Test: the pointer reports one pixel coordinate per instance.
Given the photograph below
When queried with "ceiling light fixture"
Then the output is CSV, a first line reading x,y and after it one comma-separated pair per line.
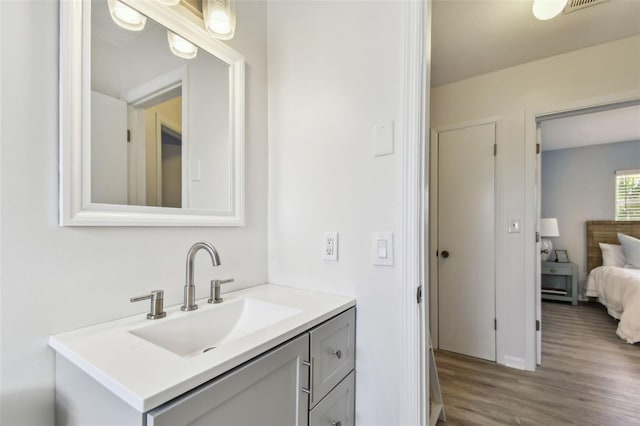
x,y
220,18
181,47
125,16
547,9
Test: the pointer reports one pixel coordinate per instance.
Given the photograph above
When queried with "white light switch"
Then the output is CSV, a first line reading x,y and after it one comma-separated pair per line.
x,y
514,226
383,248
383,139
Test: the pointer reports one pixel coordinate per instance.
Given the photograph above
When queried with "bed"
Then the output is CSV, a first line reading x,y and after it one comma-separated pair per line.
x,y
616,287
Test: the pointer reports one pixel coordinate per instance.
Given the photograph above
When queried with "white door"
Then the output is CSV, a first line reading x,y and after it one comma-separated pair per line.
x,y
108,150
466,241
537,268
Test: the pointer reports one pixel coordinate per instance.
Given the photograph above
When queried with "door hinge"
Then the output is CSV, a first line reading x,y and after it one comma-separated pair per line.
x,y
537,325
419,294
495,149
495,324
538,148
537,237
128,135
437,254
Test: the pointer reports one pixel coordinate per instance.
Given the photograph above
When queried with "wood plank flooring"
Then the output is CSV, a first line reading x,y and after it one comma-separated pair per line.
x,y
588,376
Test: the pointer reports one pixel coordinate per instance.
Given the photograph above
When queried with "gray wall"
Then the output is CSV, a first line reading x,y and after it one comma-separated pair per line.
x,y
578,185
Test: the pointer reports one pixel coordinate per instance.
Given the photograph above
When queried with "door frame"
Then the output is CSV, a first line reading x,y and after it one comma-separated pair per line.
x,y
499,218
530,224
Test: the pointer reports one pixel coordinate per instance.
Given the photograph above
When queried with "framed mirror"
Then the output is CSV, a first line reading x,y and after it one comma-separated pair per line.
x,y
151,118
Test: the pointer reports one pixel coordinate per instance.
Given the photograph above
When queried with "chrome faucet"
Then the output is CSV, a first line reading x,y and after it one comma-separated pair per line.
x,y
189,288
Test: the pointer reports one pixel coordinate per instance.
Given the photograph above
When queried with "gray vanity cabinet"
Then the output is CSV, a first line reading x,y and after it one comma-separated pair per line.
x,y
337,408
332,354
266,391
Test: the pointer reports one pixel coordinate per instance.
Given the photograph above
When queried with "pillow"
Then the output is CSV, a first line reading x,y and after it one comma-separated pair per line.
x,y
612,255
631,248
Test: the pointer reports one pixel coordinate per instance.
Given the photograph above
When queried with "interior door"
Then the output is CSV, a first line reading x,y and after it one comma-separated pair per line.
x,y
466,241
537,267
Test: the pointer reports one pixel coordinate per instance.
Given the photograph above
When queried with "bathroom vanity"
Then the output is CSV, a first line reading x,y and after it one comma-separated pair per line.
x,y
269,355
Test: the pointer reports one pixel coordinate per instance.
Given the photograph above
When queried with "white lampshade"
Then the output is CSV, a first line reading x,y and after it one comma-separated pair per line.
x,y
220,18
547,9
549,227
125,16
181,47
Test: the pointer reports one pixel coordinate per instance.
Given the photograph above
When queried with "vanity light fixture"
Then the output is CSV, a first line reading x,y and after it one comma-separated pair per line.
x,y
220,18
181,47
547,9
125,16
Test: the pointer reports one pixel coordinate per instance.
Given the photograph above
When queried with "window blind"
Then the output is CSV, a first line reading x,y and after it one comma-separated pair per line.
x,y
628,194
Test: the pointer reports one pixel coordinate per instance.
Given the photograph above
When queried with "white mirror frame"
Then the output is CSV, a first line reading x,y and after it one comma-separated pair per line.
x,y
76,208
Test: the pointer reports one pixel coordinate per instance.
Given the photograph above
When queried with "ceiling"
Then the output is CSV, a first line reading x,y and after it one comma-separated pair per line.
x,y
473,37
594,128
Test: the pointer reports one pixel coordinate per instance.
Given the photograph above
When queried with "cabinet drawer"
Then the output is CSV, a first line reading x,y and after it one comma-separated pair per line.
x,y
557,270
332,353
338,408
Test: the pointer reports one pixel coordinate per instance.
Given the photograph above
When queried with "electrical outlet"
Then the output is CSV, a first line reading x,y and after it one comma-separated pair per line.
x,y
330,246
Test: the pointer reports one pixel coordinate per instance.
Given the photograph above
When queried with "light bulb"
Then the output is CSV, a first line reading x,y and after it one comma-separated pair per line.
x,y
220,18
125,16
181,47
547,9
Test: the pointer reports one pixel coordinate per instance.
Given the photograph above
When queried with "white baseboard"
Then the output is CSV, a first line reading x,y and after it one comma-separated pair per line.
x,y
514,362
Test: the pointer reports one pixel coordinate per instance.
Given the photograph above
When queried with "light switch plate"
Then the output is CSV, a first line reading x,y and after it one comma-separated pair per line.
x,y
382,247
383,139
330,246
514,225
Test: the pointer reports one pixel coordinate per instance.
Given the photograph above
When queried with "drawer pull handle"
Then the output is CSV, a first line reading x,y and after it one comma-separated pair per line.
x,y
553,270
336,423
337,353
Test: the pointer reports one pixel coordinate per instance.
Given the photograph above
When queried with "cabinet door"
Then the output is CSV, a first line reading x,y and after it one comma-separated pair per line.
x,y
266,392
332,353
338,408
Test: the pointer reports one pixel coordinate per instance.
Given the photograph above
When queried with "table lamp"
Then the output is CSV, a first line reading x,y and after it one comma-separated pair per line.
x,y
548,228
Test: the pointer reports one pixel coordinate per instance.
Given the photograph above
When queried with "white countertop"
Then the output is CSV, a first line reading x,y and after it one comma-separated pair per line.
x,y
145,375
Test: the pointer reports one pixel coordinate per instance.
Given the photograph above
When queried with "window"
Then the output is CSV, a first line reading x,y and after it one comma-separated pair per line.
x,y
628,194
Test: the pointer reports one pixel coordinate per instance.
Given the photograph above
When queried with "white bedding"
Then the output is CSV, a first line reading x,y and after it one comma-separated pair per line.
x,y
619,290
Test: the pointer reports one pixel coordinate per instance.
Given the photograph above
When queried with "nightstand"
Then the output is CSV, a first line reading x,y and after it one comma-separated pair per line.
x,y
560,281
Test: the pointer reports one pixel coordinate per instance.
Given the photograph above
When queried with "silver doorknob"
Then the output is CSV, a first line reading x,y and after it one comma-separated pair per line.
x,y
336,423
445,254
337,353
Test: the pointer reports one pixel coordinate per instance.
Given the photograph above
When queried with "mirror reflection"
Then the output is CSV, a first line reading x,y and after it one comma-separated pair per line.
x,y
160,120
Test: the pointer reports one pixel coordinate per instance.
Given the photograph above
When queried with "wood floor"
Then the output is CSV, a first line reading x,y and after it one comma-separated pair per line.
x,y
588,376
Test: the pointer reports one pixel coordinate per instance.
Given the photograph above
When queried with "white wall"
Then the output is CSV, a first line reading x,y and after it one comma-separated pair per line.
x,y
586,74
335,71
578,184
55,279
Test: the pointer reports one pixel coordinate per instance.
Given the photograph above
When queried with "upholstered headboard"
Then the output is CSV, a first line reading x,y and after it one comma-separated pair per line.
x,y
606,231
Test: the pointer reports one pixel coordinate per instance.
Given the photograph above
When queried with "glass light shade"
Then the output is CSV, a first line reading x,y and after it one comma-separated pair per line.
x,y
168,2
125,16
181,47
549,227
220,18
547,9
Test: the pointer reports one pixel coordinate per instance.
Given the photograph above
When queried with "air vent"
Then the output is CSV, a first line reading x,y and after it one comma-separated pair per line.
x,y
573,5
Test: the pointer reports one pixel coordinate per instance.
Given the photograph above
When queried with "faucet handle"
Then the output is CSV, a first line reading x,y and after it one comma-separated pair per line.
x,y
157,301
214,296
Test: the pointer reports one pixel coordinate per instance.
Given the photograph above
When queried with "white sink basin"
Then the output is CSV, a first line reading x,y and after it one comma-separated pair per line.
x,y
193,333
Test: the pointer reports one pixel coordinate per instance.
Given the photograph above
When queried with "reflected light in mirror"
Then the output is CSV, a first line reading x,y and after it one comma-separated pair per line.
x,y
125,16
181,47
220,18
